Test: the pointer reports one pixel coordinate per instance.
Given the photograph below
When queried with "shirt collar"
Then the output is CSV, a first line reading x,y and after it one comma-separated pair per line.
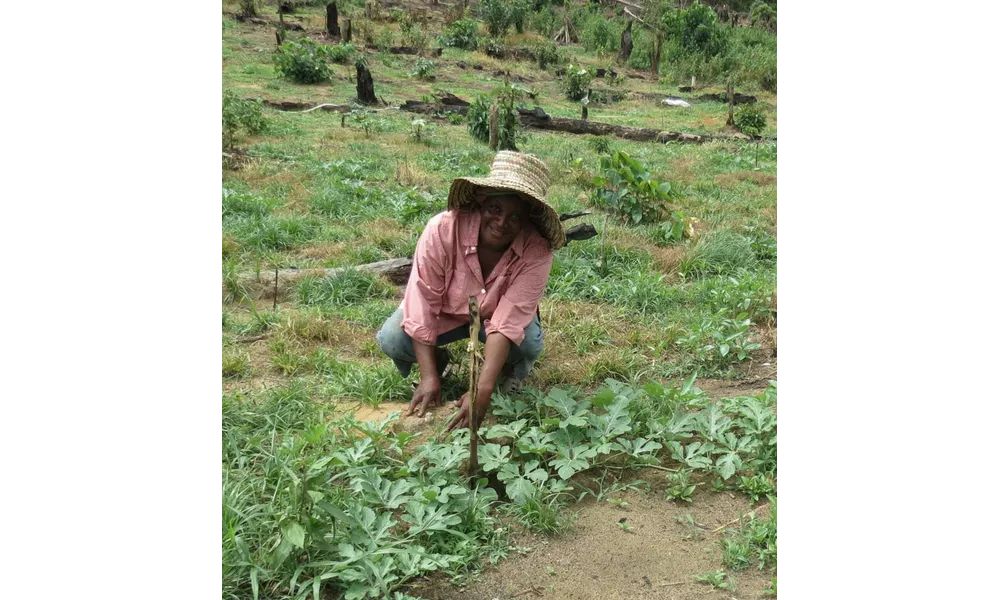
x,y
470,233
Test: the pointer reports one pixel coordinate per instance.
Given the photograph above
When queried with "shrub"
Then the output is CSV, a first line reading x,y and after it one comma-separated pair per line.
x,y
496,15
628,191
303,61
463,33
763,16
750,119
547,53
248,8
423,69
517,13
478,118
416,37
577,82
238,114
507,117
493,48
341,53
544,21
695,30
600,34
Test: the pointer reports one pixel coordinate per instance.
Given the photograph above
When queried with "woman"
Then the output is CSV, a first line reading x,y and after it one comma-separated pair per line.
x,y
495,242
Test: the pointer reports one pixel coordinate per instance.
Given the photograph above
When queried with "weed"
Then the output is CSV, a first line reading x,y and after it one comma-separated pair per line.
x,y
576,84
303,61
235,365
620,503
680,487
695,532
716,579
624,526
240,115
601,144
755,542
757,486
496,15
423,69
343,289
232,283
722,252
463,33
342,53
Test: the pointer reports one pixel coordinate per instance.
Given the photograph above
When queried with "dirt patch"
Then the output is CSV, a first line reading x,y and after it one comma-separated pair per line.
x,y
323,251
729,180
681,171
599,560
667,259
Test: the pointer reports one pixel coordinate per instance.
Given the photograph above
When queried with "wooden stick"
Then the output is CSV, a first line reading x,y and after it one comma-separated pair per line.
x,y
473,383
738,519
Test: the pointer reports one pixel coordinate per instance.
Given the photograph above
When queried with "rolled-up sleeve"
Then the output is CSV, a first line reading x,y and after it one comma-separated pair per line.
x,y
520,302
427,285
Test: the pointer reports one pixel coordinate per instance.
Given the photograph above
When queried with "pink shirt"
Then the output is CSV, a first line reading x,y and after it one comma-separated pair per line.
x,y
446,272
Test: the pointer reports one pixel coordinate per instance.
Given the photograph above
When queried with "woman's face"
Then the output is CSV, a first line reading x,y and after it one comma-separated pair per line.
x,y
503,217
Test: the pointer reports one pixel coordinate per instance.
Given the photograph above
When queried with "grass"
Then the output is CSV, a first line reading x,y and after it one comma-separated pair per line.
x,y
315,194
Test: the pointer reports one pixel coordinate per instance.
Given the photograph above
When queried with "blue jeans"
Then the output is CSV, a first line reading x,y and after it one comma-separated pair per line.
x,y
398,345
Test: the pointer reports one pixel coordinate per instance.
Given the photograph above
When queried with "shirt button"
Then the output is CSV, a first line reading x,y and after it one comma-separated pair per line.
x,y
483,291
473,248
477,270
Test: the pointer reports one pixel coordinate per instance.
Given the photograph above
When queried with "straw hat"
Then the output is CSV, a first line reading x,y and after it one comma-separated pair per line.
x,y
525,174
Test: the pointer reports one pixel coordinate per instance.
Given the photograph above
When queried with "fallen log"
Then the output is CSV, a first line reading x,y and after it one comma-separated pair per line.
x,y
396,270
538,119
303,106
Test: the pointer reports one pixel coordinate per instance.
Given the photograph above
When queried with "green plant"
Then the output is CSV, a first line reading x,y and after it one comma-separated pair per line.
x,y
505,98
423,69
756,541
493,47
757,486
695,30
415,37
680,487
577,82
719,342
303,61
628,191
763,16
420,130
517,12
367,119
716,579
238,115
457,119
235,365
478,118
599,34
547,53
544,21
248,8
750,120
345,288
496,15
601,144
341,53
722,252
624,526
463,33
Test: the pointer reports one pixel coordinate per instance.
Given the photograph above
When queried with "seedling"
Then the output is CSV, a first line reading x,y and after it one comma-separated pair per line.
x,y
716,579
624,526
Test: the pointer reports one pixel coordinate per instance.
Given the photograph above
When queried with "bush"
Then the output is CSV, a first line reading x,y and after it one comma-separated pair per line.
x,y
493,48
517,13
248,8
496,15
416,37
627,190
750,119
763,16
423,69
695,30
463,33
478,118
238,114
577,82
754,57
303,61
341,53
547,53
601,35
544,21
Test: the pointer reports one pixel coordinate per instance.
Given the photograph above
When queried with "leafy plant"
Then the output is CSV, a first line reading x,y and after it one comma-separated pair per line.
x,y
750,120
517,12
303,61
367,119
496,15
680,487
463,33
577,82
600,35
238,115
763,16
547,53
420,130
716,579
544,21
341,53
248,8
718,342
423,69
505,98
628,191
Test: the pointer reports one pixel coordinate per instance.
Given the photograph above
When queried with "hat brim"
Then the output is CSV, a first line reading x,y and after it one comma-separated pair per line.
x,y
463,195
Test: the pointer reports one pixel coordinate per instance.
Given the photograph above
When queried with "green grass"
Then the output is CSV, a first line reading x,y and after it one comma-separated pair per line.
x,y
316,194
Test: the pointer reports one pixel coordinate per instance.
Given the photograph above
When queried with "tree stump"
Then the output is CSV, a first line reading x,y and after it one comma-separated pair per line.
x,y
279,35
332,27
366,86
655,51
626,49
584,112
494,128
285,8
729,97
347,31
